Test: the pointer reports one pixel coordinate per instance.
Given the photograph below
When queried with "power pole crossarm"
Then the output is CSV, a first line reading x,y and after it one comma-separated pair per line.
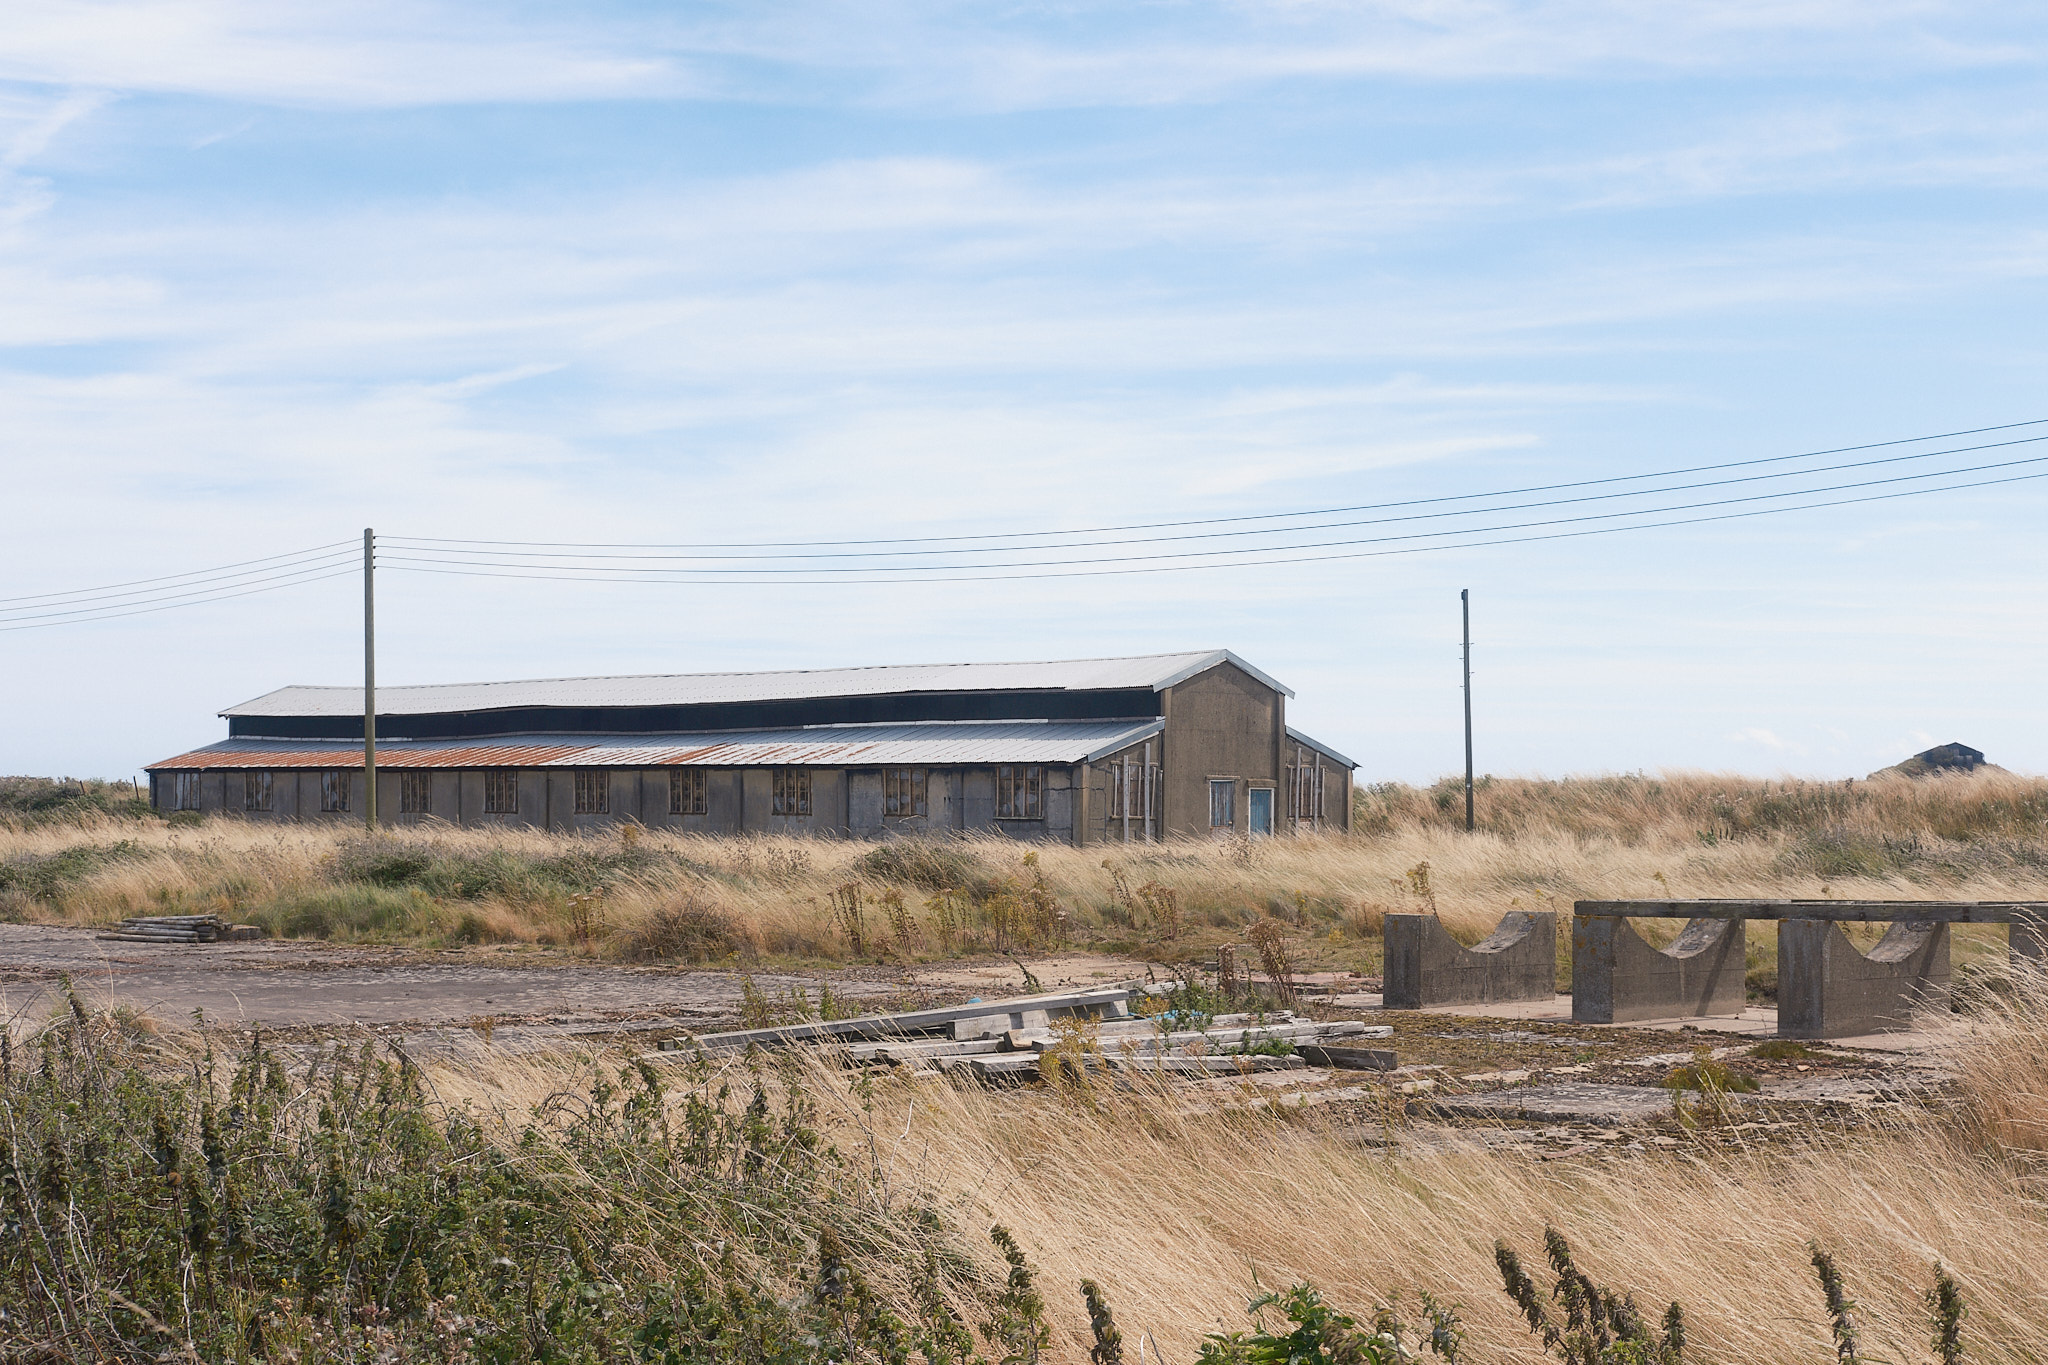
x,y
369,680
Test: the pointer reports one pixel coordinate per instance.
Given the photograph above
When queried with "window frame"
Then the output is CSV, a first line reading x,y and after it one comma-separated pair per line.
x,y
790,792
1020,791
498,782
415,792
185,788
1226,787
259,791
906,793
592,791
689,791
334,790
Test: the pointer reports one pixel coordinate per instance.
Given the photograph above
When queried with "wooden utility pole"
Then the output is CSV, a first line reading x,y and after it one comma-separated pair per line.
x,y
1465,602
369,680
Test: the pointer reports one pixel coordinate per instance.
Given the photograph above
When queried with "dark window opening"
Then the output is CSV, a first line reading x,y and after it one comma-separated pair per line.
x,y
501,791
415,793
903,792
256,791
687,793
792,791
594,792
1018,793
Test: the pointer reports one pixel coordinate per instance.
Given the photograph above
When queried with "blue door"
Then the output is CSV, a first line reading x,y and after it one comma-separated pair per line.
x,y
1261,811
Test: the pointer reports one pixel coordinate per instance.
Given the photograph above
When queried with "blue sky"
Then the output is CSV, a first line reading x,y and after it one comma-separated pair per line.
x,y
269,274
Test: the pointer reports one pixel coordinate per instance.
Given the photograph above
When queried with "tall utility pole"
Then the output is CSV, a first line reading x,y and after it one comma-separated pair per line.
x,y
369,680
1465,601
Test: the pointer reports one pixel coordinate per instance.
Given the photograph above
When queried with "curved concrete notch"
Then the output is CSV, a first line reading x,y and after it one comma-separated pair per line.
x,y
1827,989
1617,977
1426,967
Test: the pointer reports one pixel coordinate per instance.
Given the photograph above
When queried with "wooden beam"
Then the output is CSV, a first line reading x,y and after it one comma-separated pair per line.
x,y
1940,912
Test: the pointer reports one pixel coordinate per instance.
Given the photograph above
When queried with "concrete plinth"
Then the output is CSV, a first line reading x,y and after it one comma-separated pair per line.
x,y
1617,977
1426,967
2027,941
1827,989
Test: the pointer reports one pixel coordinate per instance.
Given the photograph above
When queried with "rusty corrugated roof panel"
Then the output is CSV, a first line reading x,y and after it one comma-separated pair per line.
x,y
1153,671
930,744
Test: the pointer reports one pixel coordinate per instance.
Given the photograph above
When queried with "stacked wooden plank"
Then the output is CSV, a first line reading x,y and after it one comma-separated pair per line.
x,y
169,929
979,1018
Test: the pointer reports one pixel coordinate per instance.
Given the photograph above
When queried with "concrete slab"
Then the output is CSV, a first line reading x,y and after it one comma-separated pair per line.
x,y
1608,1106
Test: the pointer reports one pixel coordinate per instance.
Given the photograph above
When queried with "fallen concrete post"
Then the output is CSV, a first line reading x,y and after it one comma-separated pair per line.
x,y
1827,989
1617,977
1426,967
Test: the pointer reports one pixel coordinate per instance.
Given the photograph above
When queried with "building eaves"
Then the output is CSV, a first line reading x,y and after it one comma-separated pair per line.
x,y
1325,750
914,745
1154,672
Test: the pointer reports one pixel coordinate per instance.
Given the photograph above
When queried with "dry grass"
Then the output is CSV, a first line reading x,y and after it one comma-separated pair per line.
x,y
1541,845
1182,1213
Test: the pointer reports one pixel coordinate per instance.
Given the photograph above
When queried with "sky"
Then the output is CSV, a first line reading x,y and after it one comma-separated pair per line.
x,y
798,272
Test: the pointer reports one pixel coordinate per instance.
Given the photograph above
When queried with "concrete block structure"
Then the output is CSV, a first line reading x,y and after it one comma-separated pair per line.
x,y
1085,751
1617,976
1426,967
1828,989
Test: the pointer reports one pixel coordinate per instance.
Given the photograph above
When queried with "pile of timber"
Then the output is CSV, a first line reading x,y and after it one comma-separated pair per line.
x,y
181,929
1005,1039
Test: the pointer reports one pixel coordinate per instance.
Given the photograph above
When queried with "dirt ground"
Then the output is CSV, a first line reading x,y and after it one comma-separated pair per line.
x,y
296,984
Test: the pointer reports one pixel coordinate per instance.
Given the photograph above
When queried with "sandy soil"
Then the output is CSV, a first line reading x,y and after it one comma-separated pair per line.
x,y
296,984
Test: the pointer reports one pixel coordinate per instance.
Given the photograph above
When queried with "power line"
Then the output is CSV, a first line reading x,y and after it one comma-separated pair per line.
x,y
85,606
114,613
1292,559
1262,516
172,578
1236,556
422,545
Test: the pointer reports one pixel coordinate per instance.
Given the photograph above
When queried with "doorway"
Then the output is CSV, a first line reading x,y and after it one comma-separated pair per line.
x,y
1260,809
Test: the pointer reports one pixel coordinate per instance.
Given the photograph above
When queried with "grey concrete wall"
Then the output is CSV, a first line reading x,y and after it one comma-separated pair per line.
x,y
1827,989
1426,967
1616,976
1221,723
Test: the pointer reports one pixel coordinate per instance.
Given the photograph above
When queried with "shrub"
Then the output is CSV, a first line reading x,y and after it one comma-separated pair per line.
x,y
692,929
929,864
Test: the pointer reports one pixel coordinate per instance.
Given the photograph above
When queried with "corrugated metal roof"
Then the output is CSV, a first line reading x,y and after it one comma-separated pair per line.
x,y
1154,671
1325,750
932,744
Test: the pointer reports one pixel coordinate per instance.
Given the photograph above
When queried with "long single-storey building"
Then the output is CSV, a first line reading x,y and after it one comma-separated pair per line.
x,y
1084,751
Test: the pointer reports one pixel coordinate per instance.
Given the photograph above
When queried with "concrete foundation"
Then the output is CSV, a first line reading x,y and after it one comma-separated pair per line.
x,y
2027,941
1617,977
1827,989
1426,967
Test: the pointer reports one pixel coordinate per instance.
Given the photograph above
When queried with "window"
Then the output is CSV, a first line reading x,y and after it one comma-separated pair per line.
x,y
256,791
185,791
792,791
1127,789
903,791
501,791
1305,792
1222,803
594,792
415,795
334,791
686,794
1017,792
